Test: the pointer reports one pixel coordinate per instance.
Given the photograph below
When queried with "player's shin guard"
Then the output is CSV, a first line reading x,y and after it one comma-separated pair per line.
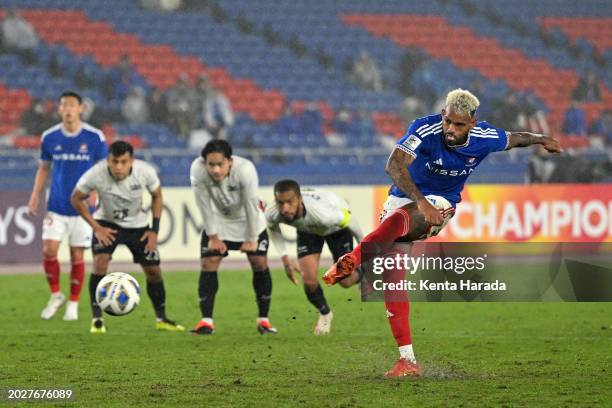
x,y
262,283
207,289
157,293
93,284
77,274
52,271
317,298
393,227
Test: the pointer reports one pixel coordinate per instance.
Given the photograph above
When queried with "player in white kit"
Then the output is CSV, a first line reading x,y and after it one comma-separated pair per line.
x,y
226,192
319,217
120,219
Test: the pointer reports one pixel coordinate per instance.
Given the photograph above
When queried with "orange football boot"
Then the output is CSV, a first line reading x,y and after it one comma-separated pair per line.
x,y
345,266
404,368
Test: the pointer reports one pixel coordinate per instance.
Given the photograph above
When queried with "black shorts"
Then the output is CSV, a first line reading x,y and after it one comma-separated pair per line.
x,y
262,246
339,243
130,237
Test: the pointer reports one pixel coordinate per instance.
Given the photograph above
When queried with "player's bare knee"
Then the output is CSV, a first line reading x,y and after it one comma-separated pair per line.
x,y
153,273
210,263
77,254
101,262
50,249
258,263
311,285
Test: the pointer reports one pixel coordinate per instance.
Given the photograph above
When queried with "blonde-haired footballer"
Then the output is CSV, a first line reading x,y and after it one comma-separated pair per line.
x,y
319,217
429,167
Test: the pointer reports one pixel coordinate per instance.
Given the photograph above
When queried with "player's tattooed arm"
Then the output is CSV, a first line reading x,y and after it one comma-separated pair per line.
x,y
524,139
397,168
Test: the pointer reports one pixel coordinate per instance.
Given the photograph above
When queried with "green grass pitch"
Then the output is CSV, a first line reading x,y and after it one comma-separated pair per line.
x,y
473,354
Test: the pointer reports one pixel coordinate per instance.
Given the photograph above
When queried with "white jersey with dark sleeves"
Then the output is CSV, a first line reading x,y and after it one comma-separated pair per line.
x,y
231,208
120,201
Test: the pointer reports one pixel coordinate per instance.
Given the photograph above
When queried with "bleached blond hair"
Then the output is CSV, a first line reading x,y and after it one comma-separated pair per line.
x,y
462,101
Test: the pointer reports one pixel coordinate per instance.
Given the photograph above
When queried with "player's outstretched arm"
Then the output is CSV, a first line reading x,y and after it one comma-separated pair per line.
x,y
397,168
524,139
42,175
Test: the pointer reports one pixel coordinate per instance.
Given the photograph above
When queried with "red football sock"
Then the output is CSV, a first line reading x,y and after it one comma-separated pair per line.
x,y
398,316
398,306
77,273
52,271
393,227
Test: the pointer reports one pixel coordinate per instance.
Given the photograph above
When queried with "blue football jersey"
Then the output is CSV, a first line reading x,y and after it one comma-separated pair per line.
x,y
440,169
70,157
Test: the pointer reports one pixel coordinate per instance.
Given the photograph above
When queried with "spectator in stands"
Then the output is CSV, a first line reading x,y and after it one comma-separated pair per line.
x,y
37,118
134,108
202,91
532,118
587,89
410,109
423,83
341,124
366,73
312,120
361,124
54,65
541,166
158,106
575,121
288,124
602,127
506,111
218,114
119,81
182,106
409,63
83,77
18,36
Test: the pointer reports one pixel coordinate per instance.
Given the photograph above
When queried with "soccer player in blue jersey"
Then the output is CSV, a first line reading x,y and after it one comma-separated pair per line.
x,y
67,151
429,167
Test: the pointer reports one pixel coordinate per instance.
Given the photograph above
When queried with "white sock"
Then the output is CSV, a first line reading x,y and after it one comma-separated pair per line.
x,y
407,353
263,319
207,320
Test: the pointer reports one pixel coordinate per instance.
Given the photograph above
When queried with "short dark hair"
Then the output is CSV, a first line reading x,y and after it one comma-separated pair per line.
x,y
217,146
285,185
121,147
72,94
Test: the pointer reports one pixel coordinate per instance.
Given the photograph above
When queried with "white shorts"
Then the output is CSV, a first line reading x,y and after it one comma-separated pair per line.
x,y
393,203
56,227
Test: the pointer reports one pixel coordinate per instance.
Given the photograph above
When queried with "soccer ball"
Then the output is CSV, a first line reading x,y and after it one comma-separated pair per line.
x,y
118,293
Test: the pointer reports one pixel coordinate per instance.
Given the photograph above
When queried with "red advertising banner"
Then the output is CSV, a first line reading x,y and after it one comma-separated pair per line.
x,y
536,213
20,235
